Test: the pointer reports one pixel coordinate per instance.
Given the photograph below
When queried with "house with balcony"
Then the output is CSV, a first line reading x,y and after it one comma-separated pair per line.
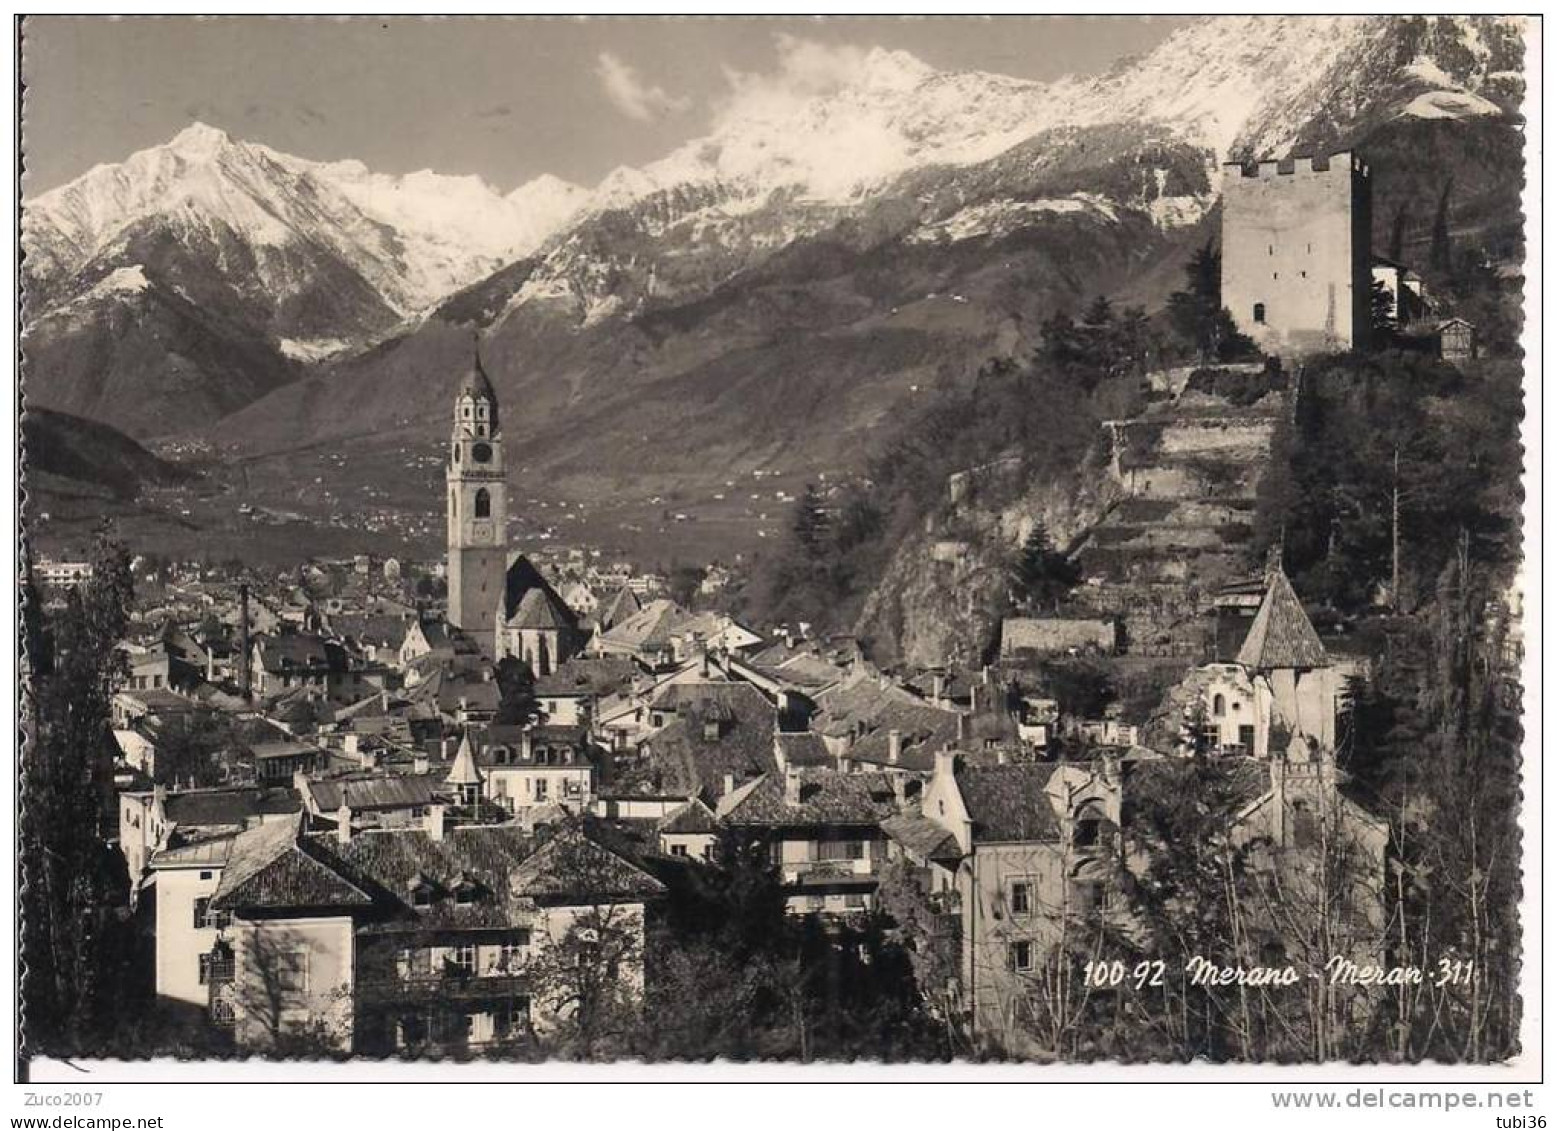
x,y
822,830
388,940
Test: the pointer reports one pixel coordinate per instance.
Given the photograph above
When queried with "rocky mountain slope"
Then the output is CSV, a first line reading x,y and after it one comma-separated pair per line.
x,y
769,294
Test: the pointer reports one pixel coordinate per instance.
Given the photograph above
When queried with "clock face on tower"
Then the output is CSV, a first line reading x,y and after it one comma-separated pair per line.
x,y
481,453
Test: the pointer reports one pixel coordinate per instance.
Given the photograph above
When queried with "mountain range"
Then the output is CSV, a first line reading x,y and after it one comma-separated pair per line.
x,y
769,294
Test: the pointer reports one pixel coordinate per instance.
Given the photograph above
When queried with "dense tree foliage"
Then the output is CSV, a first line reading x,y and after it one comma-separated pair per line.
x,y
77,947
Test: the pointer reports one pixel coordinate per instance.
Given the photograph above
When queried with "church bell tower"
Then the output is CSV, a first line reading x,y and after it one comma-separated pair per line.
x,y
478,510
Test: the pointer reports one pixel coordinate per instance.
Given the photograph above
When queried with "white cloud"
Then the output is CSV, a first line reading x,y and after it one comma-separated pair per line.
x,y
808,69
631,95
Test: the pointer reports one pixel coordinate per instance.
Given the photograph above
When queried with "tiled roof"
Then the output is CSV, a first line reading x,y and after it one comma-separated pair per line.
x,y
381,791
650,629
222,807
1009,803
623,605
693,817
588,675
546,611
827,797
686,761
920,835
803,748
272,868
570,867
1281,635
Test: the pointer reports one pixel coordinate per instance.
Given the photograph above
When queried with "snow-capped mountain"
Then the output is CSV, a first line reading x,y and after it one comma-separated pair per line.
x,y
849,183
412,238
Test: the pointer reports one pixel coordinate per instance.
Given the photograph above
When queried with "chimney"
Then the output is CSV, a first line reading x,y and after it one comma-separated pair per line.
x,y
899,789
343,823
962,728
435,822
526,745
937,689
894,746
973,699
792,786
444,745
729,785
419,764
945,763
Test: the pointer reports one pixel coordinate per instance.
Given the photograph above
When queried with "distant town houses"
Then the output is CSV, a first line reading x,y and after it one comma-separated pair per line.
x,y
360,819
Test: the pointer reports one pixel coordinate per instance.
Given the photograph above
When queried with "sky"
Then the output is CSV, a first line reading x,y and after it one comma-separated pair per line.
x,y
504,98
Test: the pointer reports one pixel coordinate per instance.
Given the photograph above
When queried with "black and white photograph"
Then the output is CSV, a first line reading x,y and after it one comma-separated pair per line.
x,y
799,541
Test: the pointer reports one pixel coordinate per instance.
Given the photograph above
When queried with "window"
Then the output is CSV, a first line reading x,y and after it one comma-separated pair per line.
x,y
481,453
203,875
1021,900
414,963
483,503
1219,705
1246,738
842,850
1089,831
462,960
1259,312
421,896
292,970
540,789
854,900
1020,955
465,894
678,850
208,920
511,1019
510,955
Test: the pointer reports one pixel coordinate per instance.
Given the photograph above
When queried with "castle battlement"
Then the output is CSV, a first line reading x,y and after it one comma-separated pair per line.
x,y
1345,162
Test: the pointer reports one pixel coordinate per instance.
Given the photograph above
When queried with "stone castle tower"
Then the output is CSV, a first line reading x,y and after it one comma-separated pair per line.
x,y
1296,257
478,509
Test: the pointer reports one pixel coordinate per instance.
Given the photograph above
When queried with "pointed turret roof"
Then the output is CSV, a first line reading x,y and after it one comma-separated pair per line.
x,y
1281,635
464,771
476,383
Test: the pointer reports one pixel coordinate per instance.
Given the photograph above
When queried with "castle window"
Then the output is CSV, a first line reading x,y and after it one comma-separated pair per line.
x,y
1218,706
483,504
1259,312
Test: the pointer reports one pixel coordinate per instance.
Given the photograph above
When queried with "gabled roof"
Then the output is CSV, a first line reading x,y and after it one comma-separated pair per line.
x,y
570,867
270,868
1009,803
521,610
827,797
920,835
1281,635
693,817
623,605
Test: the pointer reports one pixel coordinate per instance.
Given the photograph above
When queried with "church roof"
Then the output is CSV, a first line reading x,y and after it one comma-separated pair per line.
x,y
1281,635
529,601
